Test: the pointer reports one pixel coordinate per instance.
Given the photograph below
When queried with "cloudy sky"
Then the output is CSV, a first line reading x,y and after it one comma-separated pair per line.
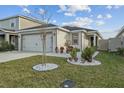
x,y
106,19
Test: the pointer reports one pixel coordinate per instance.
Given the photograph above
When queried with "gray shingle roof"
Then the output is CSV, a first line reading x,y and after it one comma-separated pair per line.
x,y
71,28
41,26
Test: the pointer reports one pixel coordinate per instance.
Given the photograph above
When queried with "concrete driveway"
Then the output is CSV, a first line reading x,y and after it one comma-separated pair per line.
x,y
13,55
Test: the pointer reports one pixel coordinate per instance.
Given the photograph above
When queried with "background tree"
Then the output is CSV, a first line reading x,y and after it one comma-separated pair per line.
x,y
44,15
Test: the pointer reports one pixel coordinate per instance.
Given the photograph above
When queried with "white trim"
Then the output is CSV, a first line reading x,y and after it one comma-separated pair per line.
x,y
92,32
25,17
73,31
7,31
50,28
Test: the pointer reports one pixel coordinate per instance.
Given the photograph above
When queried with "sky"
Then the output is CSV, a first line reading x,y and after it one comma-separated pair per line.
x,y
107,19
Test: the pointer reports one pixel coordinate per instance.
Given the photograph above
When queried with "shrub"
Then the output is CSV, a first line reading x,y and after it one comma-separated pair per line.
x,y
120,51
11,47
5,46
77,49
87,54
93,49
73,53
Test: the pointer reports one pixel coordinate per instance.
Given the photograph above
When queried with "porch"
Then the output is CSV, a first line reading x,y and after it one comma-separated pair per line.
x,y
11,38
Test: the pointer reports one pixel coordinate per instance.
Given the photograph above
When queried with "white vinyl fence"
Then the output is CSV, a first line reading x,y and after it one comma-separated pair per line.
x,y
103,45
111,44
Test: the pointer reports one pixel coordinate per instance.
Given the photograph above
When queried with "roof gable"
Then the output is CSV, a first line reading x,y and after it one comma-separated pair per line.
x,y
25,17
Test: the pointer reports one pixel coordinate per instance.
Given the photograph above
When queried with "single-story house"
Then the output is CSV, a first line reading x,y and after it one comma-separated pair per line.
x,y
27,34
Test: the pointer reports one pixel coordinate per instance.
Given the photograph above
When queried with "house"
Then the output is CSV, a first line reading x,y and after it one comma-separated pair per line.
x,y
121,36
112,44
27,34
9,27
121,33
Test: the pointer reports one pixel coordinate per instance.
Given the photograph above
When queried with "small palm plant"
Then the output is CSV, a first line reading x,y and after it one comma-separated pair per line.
x,y
87,54
73,54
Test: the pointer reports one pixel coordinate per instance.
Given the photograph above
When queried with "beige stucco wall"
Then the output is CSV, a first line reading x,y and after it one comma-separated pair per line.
x,y
62,36
7,23
85,41
24,23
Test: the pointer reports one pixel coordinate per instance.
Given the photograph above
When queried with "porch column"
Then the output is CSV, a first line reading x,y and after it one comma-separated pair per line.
x,y
7,37
94,40
80,41
19,42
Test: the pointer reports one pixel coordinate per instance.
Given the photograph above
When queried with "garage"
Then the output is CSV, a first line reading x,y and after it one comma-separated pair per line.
x,y
34,42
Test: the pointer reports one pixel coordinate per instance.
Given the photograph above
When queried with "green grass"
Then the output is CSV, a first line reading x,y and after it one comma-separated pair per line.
x,y
19,73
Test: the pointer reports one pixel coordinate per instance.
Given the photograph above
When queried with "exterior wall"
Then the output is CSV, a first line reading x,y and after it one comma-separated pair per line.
x,y
83,41
98,40
54,40
24,23
7,23
86,41
123,42
7,37
62,36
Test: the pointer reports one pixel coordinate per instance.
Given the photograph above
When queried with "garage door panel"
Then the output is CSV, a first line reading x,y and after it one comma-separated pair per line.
x,y
35,42
32,43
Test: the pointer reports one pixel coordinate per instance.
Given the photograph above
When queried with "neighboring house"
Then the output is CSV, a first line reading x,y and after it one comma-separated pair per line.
x,y
121,36
112,44
27,34
121,33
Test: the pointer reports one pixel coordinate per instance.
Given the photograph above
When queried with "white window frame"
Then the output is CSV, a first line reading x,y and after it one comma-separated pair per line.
x,y
75,36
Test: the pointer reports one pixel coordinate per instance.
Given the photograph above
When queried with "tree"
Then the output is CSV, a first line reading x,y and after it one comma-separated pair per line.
x,y
46,18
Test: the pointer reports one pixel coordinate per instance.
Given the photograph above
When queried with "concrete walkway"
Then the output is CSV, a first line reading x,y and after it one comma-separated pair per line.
x,y
13,55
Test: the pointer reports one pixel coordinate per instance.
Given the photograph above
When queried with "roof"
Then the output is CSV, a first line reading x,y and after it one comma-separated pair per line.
x,y
41,26
71,28
7,30
25,17
121,31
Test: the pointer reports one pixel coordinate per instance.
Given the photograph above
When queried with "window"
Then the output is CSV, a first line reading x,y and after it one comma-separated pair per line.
x,y
75,39
12,24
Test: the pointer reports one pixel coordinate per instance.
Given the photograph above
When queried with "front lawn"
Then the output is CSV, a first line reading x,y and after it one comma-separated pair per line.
x,y
19,73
